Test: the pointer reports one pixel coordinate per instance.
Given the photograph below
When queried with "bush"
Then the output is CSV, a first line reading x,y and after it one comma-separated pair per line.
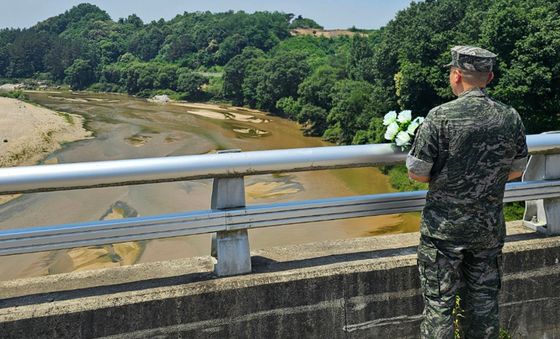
x,y
105,87
14,95
214,88
80,74
146,93
514,210
191,84
333,134
398,177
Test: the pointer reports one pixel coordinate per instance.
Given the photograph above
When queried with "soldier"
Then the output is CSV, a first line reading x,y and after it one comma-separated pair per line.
x,y
467,150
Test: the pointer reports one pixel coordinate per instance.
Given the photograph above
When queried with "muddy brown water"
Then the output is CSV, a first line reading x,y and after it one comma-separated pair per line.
x,y
126,127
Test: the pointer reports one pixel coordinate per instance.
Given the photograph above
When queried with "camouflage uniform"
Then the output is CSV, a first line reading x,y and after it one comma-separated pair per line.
x,y
467,147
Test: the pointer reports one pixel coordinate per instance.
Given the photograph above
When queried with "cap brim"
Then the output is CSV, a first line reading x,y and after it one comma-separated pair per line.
x,y
448,65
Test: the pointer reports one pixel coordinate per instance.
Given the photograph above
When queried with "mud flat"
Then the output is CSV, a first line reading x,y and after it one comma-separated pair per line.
x,y
131,128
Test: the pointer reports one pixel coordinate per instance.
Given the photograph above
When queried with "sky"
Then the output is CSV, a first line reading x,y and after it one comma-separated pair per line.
x,y
328,13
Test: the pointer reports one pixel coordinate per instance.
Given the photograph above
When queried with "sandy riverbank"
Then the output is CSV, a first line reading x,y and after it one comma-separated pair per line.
x,y
28,133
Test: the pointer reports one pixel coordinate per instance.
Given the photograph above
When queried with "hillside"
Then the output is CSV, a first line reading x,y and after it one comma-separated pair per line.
x,y
337,87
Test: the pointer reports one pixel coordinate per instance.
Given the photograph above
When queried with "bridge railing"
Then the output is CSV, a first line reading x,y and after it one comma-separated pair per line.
x,y
229,218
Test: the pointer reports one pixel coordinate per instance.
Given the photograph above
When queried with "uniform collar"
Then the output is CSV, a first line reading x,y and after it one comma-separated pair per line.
x,y
474,92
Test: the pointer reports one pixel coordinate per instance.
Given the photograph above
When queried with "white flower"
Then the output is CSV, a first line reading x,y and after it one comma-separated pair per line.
x,y
392,130
412,127
390,118
403,139
419,120
405,116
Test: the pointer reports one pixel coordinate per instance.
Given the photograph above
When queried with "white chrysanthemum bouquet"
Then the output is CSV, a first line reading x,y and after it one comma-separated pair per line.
x,y
401,129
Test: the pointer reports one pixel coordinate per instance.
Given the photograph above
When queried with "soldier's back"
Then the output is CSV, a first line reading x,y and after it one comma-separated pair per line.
x,y
476,146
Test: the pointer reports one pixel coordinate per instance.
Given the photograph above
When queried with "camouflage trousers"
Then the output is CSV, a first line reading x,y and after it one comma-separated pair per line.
x,y
450,269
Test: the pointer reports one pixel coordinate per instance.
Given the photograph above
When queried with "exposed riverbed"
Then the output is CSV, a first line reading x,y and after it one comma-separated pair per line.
x,y
126,128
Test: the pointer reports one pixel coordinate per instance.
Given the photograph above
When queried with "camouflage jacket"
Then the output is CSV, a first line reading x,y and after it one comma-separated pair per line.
x,y
468,147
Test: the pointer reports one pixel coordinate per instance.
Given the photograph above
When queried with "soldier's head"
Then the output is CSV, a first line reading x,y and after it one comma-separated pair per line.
x,y
471,67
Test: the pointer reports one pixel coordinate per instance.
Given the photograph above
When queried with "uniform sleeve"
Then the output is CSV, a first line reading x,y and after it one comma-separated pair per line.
x,y
521,153
424,151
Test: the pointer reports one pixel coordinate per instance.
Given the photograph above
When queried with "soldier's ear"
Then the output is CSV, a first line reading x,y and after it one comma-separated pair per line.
x,y
456,75
490,77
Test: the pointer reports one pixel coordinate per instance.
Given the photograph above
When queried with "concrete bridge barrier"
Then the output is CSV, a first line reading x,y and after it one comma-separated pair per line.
x,y
361,288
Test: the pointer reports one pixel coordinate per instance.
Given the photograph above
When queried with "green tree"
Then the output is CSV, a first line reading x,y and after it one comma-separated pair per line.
x,y
60,56
215,88
166,77
315,97
177,46
193,40
146,76
76,16
26,53
280,78
314,119
316,89
315,50
145,43
375,133
4,61
234,74
528,45
289,107
80,74
359,63
407,56
351,110
132,20
255,76
301,22
190,84
232,46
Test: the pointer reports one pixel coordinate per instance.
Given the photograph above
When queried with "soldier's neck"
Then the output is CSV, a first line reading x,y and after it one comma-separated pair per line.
x,y
467,88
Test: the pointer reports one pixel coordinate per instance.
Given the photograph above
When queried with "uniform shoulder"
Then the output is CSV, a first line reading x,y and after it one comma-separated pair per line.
x,y
439,112
501,104
507,109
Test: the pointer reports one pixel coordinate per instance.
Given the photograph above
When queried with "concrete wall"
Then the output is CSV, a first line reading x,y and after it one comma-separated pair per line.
x,y
363,288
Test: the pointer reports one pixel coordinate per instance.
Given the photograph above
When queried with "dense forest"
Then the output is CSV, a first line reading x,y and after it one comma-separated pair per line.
x,y
337,88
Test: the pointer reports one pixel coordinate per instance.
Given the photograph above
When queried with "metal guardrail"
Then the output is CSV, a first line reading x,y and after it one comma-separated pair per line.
x,y
29,179
198,222
229,217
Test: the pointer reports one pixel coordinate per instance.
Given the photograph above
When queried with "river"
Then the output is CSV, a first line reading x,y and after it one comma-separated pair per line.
x,y
126,127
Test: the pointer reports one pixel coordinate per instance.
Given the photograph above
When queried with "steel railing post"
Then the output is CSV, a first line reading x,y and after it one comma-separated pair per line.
x,y
230,248
543,215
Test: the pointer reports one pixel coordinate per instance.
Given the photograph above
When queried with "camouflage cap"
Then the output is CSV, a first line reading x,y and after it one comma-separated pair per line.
x,y
472,59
